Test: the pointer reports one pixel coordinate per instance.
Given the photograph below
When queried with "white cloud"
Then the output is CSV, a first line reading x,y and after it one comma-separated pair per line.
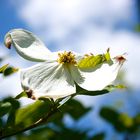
x,y
59,20
10,86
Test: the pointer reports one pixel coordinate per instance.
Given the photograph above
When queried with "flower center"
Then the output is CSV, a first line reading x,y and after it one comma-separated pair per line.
x,y
66,57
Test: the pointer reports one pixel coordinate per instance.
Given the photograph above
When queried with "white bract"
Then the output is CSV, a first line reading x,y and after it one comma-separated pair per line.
x,y
57,73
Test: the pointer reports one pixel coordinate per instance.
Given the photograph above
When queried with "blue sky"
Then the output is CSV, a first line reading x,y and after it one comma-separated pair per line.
x,y
9,18
79,25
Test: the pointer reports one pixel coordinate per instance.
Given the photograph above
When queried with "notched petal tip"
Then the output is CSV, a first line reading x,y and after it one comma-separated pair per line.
x,y
30,94
121,59
8,41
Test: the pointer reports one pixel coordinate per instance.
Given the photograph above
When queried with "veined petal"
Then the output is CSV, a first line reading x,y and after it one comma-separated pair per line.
x,y
97,78
48,79
27,45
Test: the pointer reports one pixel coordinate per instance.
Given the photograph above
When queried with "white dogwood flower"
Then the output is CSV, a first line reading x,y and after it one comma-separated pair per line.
x,y
58,73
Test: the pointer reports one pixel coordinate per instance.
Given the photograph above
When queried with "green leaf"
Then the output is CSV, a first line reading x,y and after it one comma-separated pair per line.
x,y
75,109
72,134
14,106
37,134
121,122
22,94
126,120
4,108
61,133
99,136
137,119
10,70
30,114
112,116
1,125
3,68
27,116
137,28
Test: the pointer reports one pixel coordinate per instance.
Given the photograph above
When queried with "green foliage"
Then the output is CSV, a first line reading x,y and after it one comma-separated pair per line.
x,y
1,125
99,136
75,109
32,113
4,108
112,116
121,122
137,119
57,130
48,133
137,28
23,118
40,112
64,133
7,70
3,68
8,107
12,113
126,120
